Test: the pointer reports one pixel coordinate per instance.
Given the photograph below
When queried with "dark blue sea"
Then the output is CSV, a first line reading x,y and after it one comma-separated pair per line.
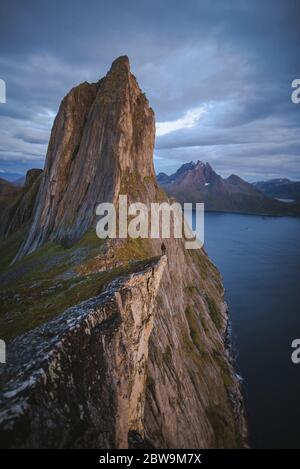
x,y
259,259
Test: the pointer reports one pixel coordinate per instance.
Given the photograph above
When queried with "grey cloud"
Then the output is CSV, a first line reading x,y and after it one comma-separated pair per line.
x,y
240,57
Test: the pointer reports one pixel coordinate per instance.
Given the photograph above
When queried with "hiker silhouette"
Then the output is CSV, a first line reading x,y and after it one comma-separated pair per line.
x,y
163,249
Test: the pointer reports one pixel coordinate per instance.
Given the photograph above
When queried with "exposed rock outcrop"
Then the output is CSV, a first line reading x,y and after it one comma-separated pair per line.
x,y
102,130
80,379
101,146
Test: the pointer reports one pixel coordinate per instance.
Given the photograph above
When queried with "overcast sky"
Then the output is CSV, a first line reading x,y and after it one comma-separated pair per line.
x,y
217,74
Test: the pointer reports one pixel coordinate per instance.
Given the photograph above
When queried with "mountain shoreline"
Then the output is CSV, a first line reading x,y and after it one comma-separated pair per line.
x,y
101,145
198,182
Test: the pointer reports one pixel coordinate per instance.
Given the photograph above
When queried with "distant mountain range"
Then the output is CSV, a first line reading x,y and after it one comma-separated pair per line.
x,y
16,178
280,188
198,182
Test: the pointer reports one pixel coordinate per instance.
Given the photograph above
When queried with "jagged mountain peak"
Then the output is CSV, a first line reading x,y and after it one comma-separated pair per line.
x,y
121,63
200,163
102,131
195,173
198,182
101,144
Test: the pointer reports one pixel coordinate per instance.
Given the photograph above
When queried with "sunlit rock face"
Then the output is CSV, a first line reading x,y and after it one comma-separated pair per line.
x,y
188,395
101,130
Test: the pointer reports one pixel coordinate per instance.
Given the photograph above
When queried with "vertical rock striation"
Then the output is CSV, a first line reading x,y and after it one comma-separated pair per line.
x,y
102,145
101,131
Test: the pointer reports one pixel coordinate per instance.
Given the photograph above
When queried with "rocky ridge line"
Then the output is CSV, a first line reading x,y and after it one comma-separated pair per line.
x,y
79,380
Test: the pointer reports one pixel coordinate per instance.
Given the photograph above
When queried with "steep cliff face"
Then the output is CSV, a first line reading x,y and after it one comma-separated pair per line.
x,y
193,397
102,146
101,131
79,380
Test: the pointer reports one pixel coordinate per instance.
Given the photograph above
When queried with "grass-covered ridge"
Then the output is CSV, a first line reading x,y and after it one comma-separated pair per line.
x,y
53,278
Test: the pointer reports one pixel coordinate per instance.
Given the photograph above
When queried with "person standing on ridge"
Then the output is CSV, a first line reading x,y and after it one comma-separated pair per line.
x,y
163,249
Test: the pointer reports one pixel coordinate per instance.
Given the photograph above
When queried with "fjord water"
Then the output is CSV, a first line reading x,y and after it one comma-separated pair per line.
x,y
259,259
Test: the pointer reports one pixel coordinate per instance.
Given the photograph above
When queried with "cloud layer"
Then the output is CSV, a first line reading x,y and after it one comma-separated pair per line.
x,y
218,75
